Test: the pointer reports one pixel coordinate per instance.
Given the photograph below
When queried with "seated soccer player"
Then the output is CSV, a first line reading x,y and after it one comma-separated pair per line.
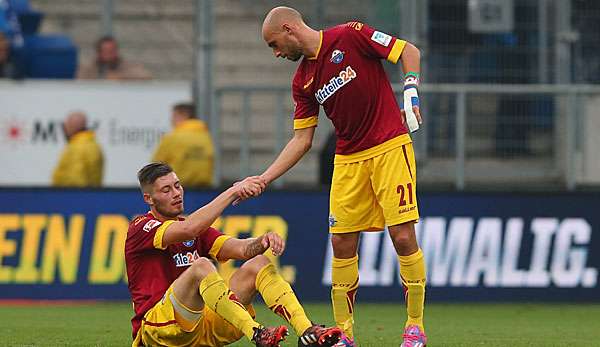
x,y
178,296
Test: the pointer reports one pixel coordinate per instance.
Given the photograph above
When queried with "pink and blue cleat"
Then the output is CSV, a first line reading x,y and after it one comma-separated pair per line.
x,y
414,337
345,341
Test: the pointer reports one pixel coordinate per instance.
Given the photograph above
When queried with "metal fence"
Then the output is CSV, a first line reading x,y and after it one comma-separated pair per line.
x,y
543,41
476,136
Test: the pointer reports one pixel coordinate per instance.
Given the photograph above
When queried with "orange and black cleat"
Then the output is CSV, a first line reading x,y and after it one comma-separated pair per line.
x,y
269,336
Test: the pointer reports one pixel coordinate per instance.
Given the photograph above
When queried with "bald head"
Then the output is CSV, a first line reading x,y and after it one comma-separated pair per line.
x,y
279,16
286,33
76,121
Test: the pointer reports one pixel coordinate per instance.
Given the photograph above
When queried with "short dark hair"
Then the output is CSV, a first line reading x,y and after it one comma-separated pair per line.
x,y
105,38
149,173
186,108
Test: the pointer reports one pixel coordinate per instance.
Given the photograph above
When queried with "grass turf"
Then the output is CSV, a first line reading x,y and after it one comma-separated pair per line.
x,y
107,324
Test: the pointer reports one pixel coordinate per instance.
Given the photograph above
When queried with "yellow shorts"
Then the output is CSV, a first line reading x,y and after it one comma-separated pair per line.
x,y
370,194
160,327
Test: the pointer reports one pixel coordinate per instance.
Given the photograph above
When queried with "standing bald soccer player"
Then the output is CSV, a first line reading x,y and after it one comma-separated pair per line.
x,y
374,179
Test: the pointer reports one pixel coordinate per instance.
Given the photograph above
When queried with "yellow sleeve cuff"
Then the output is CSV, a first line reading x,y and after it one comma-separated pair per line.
x,y
305,122
216,247
160,232
396,51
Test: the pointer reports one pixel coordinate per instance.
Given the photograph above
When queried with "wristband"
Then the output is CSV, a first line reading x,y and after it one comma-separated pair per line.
x,y
411,78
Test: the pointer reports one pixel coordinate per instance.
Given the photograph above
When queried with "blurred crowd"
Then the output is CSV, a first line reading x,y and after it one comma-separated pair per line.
x,y
188,148
27,53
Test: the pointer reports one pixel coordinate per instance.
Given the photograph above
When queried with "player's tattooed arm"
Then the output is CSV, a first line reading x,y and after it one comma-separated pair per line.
x,y
244,249
260,244
254,247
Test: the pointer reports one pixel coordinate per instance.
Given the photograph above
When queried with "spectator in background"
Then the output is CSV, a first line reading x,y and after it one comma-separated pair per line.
x,y
8,66
109,65
188,148
81,163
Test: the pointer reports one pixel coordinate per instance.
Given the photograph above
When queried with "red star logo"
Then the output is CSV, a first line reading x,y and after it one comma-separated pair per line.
x,y
14,132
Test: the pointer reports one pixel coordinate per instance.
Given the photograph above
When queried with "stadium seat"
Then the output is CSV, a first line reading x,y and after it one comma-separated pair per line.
x,y
9,24
4,27
19,6
29,19
49,56
30,22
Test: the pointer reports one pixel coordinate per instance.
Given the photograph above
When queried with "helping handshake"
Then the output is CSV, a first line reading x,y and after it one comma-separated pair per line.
x,y
249,187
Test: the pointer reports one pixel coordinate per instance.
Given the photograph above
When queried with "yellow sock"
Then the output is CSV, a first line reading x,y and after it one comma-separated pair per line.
x,y
344,284
223,301
412,270
280,298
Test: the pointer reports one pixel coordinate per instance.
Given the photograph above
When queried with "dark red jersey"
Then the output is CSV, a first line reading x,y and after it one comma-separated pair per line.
x,y
348,80
151,267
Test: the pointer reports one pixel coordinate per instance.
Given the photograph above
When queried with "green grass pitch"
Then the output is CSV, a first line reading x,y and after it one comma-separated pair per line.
x,y
107,324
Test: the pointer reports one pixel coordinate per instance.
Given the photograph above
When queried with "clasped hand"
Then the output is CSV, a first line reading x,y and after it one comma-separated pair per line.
x,y
249,187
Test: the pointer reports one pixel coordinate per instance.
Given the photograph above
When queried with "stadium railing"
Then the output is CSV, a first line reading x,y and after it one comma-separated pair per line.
x,y
477,136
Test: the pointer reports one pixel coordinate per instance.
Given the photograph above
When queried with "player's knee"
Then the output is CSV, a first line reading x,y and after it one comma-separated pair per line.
x,y
253,266
343,246
403,236
202,267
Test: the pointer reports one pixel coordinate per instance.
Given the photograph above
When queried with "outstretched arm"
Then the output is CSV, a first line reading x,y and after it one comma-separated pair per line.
x,y
291,154
203,217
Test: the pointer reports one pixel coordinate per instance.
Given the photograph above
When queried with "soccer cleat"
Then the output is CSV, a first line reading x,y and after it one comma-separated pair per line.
x,y
414,337
319,336
345,341
269,336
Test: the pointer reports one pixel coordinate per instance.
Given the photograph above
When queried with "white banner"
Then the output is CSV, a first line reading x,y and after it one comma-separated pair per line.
x,y
493,252
129,119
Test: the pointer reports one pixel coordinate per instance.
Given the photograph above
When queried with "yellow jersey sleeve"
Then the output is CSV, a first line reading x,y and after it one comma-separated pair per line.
x,y
216,247
303,123
160,232
396,51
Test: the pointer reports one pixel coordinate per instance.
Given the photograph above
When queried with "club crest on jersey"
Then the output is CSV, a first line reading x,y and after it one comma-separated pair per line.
x,y
337,56
332,220
188,243
335,84
151,224
185,259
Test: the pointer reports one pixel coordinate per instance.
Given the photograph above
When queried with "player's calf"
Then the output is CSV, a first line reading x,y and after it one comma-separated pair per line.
x,y
243,281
